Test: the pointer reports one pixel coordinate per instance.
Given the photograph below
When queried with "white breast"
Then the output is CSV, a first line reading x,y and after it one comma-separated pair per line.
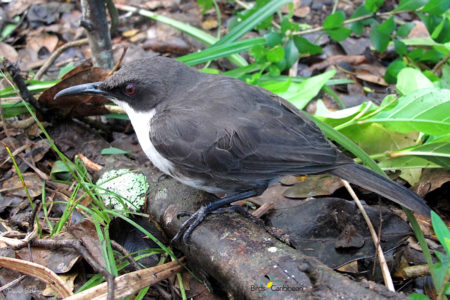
x,y
141,124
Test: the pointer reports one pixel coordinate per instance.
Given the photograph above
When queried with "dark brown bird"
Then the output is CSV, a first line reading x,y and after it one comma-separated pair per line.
x,y
219,134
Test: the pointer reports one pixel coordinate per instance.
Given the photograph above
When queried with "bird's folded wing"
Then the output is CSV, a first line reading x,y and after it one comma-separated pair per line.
x,y
246,132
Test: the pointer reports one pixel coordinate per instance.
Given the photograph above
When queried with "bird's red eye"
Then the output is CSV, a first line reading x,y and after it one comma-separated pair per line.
x,y
130,89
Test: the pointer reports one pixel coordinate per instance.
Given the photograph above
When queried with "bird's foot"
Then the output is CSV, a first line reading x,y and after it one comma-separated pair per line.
x,y
189,225
197,217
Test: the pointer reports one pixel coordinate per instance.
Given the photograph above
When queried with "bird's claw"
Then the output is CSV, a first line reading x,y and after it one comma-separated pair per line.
x,y
190,224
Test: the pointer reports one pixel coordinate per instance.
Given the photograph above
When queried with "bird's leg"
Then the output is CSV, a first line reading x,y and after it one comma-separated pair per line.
x,y
196,218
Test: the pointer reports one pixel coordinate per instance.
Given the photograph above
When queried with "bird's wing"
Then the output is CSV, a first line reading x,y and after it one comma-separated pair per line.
x,y
237,128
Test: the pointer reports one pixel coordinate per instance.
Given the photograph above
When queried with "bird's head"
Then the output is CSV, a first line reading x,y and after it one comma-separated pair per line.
x,y
141,84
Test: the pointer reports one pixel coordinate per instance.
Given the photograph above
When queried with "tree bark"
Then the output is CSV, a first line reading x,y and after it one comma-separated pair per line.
x,y
96,25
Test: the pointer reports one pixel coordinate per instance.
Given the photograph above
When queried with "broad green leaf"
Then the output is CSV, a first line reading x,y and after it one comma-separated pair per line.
x,y
342,116
400,47
291,55
256,18
445,78
335,20
374,138
388,26
424,110
410,4
305,47
436,7
113,151
442,232
276,87
339,34
405,29
300,94
275,54
406,162
393,70
205,4
410,80
273,38
441,269
373,5
357,27
438,153
379,39
349,145
429,55
417,296
61,170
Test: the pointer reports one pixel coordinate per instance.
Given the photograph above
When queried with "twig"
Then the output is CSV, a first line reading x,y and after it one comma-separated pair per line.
x,y
335,6
127,255
22,88
439,65
384,268
56,54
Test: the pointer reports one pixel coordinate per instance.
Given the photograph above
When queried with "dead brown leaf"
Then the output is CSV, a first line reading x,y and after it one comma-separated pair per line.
x,y
15,187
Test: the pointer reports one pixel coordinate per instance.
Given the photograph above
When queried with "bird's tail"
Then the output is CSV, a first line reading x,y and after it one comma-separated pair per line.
x,y
383,186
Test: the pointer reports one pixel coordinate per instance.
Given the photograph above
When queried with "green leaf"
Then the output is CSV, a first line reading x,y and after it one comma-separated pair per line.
x,y
445,78
357,27
66,69
339,34
300,94
374,138
388,26
291,54
13,109
425,55
436,7
410,79
405,29
348,144
217,52
305,47
205,4
275,54
379,39
400,47
200,35
113,151
409,113
62,170
393,70
273,38
410,4
33,86
256,18
7,30
438,152
335,20
442,232
406,162
373,5
417,296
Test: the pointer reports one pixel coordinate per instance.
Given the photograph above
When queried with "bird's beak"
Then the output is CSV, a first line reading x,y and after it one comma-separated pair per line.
x,y
91,89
